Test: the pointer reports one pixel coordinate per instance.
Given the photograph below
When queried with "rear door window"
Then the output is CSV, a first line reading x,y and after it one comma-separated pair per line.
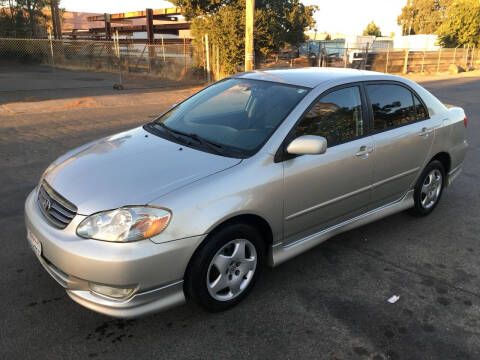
x,y
422,113
392,106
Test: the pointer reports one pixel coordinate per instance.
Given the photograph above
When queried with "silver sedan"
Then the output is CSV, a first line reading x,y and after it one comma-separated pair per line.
x,y
251,171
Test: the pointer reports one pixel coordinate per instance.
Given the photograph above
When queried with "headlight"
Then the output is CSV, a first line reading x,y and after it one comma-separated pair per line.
x,y
125,224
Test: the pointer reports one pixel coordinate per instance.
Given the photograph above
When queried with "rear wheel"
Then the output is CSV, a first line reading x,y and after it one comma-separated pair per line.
x,y
429,188
225,268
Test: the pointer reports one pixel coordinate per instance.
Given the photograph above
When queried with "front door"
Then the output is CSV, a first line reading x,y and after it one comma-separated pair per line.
x,y
323,190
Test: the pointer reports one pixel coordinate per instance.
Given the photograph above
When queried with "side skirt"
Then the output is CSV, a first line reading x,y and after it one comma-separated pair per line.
x,y
280,253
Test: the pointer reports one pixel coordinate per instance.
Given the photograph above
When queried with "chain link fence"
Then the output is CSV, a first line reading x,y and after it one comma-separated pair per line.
x,y
165,63
168,64
382,59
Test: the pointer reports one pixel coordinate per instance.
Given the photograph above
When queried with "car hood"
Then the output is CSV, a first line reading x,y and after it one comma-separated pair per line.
x,y
130,168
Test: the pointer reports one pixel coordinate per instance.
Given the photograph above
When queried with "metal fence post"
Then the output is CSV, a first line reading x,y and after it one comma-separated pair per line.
x,y
365,57
53,57
405,62
163,49
116,43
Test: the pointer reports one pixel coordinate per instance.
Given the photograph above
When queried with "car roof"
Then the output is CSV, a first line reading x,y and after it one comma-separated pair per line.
x,y
309,76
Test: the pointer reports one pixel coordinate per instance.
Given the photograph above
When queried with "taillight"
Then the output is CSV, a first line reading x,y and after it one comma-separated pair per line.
x,y
465,121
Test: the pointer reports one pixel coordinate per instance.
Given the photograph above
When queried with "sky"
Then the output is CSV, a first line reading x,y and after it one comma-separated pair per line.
x,y
343,16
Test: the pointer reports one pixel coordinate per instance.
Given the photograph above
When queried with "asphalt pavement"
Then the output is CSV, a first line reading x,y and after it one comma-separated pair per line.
x,y
329,303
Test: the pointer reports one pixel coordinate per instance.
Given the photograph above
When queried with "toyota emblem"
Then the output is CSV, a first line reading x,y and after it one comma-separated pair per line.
x,y
46,204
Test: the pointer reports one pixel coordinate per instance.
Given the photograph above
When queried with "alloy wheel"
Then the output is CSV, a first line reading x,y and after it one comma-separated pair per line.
x,y
231,269
431,188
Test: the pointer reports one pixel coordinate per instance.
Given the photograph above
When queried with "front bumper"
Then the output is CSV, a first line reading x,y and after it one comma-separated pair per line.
x,y
155,270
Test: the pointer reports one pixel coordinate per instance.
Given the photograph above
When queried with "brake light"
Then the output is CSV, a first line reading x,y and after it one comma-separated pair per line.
x,y
465,121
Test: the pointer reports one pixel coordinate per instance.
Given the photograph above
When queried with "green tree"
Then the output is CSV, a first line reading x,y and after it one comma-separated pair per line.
x,y
372,29
277,23
462,24
21,17
422,16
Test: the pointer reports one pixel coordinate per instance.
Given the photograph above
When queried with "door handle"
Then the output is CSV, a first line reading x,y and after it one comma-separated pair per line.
x,y
425,132
364,151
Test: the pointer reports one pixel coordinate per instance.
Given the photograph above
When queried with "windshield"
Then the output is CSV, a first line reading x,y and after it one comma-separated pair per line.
x,y
234,117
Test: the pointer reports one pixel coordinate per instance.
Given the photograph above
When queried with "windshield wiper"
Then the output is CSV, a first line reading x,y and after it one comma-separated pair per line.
x,y
215,147
168,130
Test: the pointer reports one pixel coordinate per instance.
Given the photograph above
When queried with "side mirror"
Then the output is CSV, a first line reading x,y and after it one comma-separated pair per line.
x,y
308,145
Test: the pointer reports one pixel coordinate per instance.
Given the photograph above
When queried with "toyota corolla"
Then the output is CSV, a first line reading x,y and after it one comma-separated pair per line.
x,y
251,171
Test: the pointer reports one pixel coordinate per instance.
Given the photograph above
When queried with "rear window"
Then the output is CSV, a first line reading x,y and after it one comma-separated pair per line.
x,y
392,106
422,113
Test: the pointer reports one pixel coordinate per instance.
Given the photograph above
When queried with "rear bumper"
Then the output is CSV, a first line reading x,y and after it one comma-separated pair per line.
x,y
155,270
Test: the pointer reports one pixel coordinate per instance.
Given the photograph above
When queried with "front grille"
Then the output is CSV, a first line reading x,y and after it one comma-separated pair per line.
x,y
56,209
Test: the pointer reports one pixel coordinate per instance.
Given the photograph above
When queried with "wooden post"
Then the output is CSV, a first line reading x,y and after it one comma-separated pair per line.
x,y
150,37
108,27
466,57
344,55
405,62
423,60
149,26
473,56
249,49
214,52
204,65
208,58
218,63
439,56
184,54
454,55
465,53
386,63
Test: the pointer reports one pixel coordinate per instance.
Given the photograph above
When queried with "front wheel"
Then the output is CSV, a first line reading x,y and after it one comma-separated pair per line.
x,y
225,268
429,188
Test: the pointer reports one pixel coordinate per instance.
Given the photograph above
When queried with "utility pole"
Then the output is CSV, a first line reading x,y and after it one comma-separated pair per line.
x,y
249,49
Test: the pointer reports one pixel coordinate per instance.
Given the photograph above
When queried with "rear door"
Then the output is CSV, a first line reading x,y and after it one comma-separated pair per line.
x,y
324,190
402,136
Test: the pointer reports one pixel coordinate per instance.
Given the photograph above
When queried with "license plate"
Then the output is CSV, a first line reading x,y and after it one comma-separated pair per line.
x,y
35,244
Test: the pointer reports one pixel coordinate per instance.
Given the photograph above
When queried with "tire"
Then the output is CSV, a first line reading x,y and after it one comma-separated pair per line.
x,y
225,268
429,189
